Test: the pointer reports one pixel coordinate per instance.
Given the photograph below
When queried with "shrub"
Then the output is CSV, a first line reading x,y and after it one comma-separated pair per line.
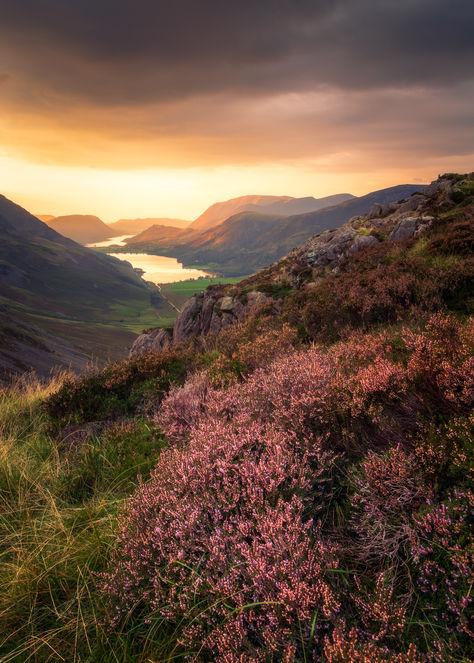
x,y
442,556
388,487
120,389
234,535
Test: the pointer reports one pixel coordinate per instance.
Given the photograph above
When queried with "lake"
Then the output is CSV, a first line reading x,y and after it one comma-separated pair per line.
x,y
160,269
112,241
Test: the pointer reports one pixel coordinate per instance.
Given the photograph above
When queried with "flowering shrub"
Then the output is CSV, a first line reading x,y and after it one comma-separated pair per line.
x,y
442,360
443,556
120,388
351,647
183,407
388,487
445,451
235,536
221,535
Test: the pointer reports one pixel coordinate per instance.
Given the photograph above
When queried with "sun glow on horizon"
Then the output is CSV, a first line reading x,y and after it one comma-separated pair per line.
x,y
179,192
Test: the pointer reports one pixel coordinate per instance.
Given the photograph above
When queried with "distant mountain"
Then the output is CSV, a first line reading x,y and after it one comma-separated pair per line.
x,y
281,205
248,241
162,234
303,205
54,293
135,226
219,212
82,228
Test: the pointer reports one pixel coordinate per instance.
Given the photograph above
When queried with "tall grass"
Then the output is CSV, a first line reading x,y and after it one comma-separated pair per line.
x,y
58,507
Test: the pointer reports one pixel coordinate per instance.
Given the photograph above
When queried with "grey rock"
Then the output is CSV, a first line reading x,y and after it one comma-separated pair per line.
x,y
328,247
226,303
161,340
256,298
206,313
216,323
155,341
361,242
375,212
404,229
188,321
411,204
437,187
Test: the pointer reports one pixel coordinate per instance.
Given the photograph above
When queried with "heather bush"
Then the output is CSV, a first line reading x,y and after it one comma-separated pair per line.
x,y
183,407
234,536
351,647
388,283
223,537
445,451
442,556
388,488
120,389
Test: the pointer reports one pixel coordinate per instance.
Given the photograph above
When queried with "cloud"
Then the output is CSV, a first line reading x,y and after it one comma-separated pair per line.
x,y
114,52
143,83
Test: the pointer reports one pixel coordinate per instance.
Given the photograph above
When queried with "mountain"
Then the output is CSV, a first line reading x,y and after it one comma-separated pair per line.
x,y
219,212
159,234
135,226
248,241
61,303
299,205
82,228
278,205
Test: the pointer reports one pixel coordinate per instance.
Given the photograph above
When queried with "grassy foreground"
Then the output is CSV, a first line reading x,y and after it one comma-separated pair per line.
x,y
59,501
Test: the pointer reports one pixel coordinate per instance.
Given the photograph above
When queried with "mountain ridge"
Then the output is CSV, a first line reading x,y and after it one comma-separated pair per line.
x,y
248,241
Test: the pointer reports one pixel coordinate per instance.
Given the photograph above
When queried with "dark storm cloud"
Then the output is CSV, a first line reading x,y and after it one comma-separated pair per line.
x,y
136,51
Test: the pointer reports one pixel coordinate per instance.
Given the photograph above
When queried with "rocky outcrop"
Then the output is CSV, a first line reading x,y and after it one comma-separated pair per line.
x,y
206,313
209,312
394,222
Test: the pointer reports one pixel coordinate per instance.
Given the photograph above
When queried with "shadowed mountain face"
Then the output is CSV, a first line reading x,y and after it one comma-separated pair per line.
x,y
82,228
248,241
51,287
135,226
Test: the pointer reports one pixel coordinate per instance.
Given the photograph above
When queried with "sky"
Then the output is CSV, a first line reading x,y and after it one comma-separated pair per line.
x,y
141,108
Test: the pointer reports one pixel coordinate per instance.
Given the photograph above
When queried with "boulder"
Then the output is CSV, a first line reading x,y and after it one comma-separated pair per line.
x,y
226,303
376,211
361,242
411,204
155,341
404,229
256,298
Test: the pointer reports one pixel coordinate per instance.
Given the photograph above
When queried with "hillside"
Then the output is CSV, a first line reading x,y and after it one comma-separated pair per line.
x,y
61,303
136,226
82,228
291,466
248,241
